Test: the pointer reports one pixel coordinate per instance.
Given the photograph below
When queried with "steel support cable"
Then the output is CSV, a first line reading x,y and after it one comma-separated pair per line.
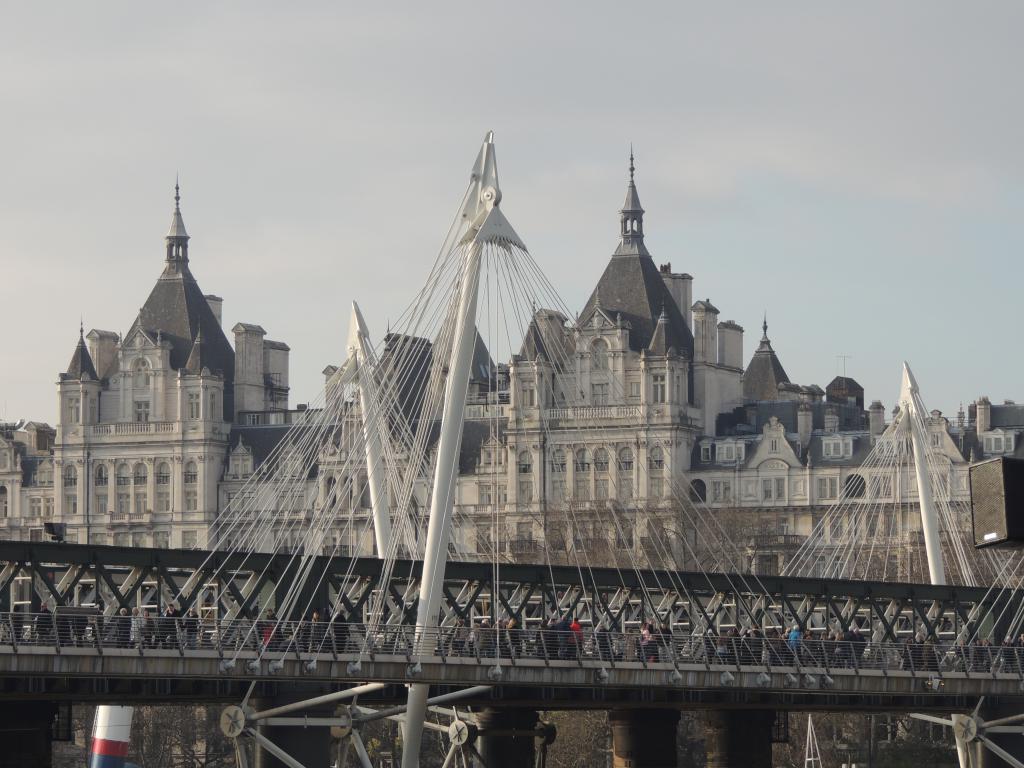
x,y
717,543
722,541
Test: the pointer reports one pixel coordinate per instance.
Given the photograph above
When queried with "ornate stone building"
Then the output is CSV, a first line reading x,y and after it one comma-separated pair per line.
x,y
145,420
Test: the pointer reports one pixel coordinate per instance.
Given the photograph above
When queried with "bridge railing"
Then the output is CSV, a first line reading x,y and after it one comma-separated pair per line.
x,y
270,639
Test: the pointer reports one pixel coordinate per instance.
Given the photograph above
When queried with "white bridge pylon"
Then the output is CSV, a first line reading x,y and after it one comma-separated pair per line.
x,y
486,226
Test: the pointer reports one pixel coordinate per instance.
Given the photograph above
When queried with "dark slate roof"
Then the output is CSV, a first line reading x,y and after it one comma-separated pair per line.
x,y
632,287
81,362
1007,415
474,435
176,308
764,373
752,417
199,357
261,440
659,340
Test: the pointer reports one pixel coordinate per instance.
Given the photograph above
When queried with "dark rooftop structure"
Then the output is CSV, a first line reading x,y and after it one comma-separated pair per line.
x,y
764,373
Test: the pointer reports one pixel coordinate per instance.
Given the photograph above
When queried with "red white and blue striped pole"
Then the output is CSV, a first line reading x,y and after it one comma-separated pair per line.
x,y
111,735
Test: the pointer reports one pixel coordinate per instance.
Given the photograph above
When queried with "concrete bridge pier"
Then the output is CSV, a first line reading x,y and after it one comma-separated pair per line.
x,y
508,736
26,731
310,746
739,738
644,738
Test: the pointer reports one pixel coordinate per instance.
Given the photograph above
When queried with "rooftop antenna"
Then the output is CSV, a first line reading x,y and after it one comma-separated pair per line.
x,y
844,358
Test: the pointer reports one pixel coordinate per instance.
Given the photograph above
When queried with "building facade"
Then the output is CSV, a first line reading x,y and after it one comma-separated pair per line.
x,y
641,399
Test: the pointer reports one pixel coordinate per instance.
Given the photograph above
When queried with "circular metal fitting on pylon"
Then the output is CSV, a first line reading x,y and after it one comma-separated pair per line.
x,y
459,732
344,729
232,721
966,728
490,196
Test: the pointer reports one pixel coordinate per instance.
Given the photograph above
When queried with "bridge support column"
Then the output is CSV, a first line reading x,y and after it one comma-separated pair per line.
x,y
26,730
644,738
310,746
507,737
1011,742
739,738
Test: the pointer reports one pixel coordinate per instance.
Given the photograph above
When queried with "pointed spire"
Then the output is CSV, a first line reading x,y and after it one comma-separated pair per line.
x,y
631,218
81,365
197,358
764,327
177,238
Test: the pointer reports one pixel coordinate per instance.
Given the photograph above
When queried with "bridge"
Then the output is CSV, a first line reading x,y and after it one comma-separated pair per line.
x,y
264,620
700,662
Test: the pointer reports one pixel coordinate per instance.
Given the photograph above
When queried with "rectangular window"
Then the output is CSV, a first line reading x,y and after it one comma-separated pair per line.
x,y
657,487
74,410
836,527
705,453
189,539
581,487
48,507
525,491
138,539
780,488
558,491
625,488
726,453
766,489
98,538
599,394
101,503
70,504
122,539
193,405
485,495
658,388
142,411
634,390
35,506
161,539
502,494
124,503
601,489
141,503
529,397
191,500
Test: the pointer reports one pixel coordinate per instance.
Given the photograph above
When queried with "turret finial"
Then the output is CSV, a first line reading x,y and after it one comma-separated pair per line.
x,y
764,325
632,167
177,195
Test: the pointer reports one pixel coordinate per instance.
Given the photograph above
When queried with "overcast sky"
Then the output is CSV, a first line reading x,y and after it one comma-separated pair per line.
x,y
855,169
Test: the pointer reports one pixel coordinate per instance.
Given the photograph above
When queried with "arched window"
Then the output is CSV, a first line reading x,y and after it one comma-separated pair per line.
x,y
582,462
101,476
698,490
558,461
124,476
191,473
163,474
525,463
141,373
599,355
853,488
140,475
624,479
600,460
70,476
626,460
656,458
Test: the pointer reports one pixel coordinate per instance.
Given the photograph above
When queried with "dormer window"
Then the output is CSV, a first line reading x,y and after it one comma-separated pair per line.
x,y
998,443
141,372
705,452
836,448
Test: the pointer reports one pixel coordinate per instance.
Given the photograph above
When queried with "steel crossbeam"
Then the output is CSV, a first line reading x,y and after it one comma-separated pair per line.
x,y
237,585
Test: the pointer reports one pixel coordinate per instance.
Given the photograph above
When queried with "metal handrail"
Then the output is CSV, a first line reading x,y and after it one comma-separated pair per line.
x,y
181,636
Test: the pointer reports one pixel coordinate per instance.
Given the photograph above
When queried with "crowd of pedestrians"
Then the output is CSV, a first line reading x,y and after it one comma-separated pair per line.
x,y
561,637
